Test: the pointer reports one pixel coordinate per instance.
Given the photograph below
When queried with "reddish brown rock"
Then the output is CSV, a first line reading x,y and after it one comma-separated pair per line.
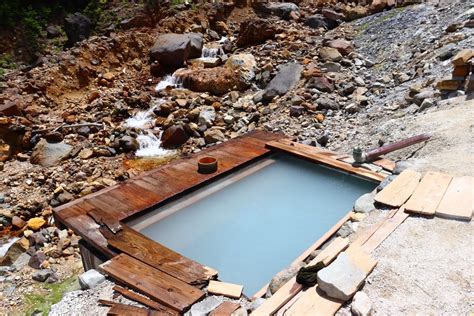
x,y
18,222
10,108
255,31
321,83
217,80
344,47
174,136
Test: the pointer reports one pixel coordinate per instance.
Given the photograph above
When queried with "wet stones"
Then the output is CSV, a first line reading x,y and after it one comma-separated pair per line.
x,y
174,136
255,31
285,80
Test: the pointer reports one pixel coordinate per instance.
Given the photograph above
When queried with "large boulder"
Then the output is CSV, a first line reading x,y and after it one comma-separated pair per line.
x,y
255,31
281,9
236,74
284,80
77,27
174,136
172,50
48,154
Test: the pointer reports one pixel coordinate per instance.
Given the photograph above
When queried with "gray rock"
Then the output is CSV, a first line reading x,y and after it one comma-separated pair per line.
x,y
318,21
425,94
385,182
214,135
48,154
332,67
365,203
205,306
172,50
285,80
37,259
283,276
325,103
21,261
90,279
345,230
255,304
281,9
426,104
361,305
77,27
330,54
341,279
400,166
128,143
207,115
42,275
53,31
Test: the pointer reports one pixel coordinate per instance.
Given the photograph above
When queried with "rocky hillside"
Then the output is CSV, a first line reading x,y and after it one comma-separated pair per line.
x,y
158,85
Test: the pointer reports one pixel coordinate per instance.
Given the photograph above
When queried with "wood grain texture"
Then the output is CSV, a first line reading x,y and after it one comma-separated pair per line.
x,y
226,289
152,282
458,200
309,153
119,309
400,189
314,302
225,309
160,257
163,310
428,193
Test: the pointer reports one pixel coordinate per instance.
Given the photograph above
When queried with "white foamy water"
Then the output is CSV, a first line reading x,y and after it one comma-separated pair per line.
x,y
169,81
150,146
212,52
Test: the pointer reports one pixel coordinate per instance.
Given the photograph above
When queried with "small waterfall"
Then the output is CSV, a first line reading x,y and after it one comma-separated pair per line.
x,y
211,52
169,81
150,146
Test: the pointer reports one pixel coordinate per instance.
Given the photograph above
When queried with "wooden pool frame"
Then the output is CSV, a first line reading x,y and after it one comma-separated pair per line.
x,y
99,217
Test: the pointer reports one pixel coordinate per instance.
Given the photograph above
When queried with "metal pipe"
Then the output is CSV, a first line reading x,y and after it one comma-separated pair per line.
x,y
361,157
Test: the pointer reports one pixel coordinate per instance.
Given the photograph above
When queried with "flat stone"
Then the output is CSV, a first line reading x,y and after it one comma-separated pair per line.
x,y
49,154
90,279
42,275
21,261
361,305
365,203
285,80
37,259
341,279
345,230
205,306
330,54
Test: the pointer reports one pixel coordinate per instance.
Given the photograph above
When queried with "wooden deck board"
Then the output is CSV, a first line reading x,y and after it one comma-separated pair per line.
x,y
160,257
428,194
119,309
158,285
163,310
400,189
225,309
458,201
308,152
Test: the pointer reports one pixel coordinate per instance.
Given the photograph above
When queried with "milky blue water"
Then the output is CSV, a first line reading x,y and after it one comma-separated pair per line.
x,y
256,226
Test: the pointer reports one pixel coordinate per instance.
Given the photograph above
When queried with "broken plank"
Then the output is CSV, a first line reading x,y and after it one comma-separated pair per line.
x,y
292,288
384,230
119,309
144,301
160,257
428,194
306,152
361,259
400,189
152,282
458,201
226,289
385,164
225,309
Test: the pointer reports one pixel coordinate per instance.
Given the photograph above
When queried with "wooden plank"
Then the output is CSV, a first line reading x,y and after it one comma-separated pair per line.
x,y
226,289
292,288
144,301
225,309
308,152
160,257
329,253
400,189
428,194
385,230
119,309
314,302
152,282
458,201
361,259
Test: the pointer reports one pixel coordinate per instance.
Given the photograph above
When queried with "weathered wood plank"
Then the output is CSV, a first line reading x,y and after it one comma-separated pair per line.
x,y
226,289
330,253
145,301
314,302
385,163
152,282
225,309
428,194
308,152
291,288
458,201
119,309
160,257
385,230
400,189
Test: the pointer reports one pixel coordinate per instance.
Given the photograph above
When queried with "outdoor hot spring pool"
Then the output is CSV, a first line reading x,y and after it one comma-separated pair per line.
x,y
255,222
